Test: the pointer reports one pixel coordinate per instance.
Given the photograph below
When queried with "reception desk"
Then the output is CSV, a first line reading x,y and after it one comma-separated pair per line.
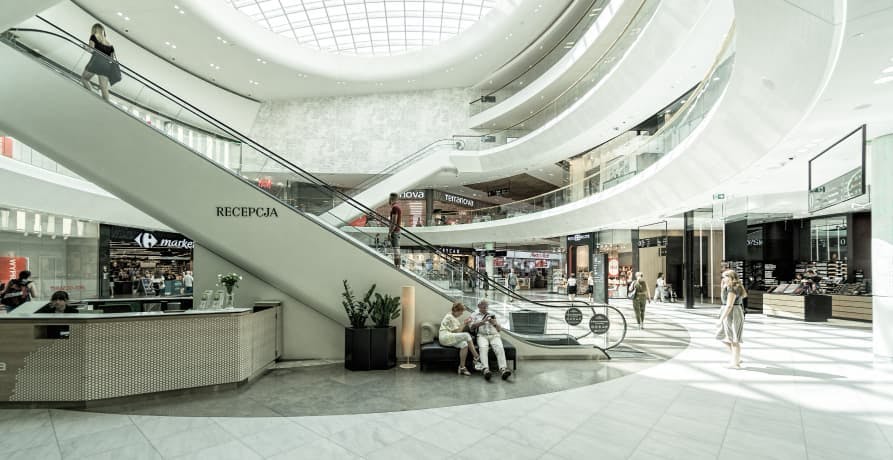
x,y
87,357
804,308
856,307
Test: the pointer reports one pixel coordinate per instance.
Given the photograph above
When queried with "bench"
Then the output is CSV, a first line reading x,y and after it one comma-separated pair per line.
x,y
435,353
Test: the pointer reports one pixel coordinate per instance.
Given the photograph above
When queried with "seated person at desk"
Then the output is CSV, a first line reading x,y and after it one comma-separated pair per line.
x,y
58,304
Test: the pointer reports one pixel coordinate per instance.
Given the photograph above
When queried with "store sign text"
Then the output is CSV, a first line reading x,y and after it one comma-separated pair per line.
x,y
246,211
458,200
147,240
413,195
578,237
2,367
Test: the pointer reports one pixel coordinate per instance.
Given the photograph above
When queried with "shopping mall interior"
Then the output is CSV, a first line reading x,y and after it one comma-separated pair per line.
x,y
384,229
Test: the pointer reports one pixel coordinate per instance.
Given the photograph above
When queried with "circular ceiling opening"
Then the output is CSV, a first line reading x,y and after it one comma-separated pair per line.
x,y
365,27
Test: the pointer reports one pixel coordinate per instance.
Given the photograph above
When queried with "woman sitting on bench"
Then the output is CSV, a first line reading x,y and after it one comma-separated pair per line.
x,y
451,335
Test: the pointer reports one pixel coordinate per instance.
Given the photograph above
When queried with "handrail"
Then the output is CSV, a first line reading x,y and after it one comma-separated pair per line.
x,y
583,76
127,98
377,177
449,259
557,44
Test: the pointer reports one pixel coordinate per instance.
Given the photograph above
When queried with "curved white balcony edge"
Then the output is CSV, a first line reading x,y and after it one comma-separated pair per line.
x,y
594,42
767,97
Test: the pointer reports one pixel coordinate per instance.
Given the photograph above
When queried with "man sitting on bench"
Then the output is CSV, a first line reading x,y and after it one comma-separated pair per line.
x,y
488,336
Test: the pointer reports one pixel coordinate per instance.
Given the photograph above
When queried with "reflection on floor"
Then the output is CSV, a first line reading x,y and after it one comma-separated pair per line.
x,y
807,391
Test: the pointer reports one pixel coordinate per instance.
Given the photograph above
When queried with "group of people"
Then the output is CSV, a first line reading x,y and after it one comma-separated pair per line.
x,y
21,290
480,326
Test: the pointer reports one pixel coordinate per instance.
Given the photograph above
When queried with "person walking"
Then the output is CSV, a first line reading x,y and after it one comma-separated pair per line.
x,y
18,291
731,316
571,287
589,287
512,282
660,286
394,220
102,63
638,292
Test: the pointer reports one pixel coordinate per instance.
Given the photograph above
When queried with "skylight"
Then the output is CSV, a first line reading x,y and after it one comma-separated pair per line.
x,y
366,27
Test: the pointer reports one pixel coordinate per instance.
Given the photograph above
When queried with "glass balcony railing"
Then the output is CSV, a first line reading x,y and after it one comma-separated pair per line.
x,y
492,96
61,53
639,153
583,85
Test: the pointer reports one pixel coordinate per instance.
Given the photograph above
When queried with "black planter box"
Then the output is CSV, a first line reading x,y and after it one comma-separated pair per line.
x,y
370,348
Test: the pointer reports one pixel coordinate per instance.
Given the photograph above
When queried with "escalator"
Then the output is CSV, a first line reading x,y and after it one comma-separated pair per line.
x,y
114,146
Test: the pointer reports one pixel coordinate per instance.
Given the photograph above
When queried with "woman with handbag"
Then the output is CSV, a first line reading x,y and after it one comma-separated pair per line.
x,y
102,63
638,292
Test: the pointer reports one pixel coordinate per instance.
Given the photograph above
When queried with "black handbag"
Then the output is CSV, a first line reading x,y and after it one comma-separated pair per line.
x,y
114,75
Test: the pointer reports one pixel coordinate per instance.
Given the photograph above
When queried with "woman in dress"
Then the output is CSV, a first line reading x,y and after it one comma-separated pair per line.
x,y
731,316
451,335
102,61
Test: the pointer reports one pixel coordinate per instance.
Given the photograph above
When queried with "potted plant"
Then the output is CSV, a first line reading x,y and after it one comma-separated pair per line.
x,y
367,348
383,310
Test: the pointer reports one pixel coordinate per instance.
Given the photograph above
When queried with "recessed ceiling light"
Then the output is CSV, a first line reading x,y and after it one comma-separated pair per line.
x,y
126,18
888,70
883,80
120,13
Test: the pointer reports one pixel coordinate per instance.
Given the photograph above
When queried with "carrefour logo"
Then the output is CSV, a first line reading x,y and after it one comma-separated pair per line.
x,y
148,240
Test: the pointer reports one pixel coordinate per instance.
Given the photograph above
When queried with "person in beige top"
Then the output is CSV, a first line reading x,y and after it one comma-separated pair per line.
x,y
451,335
731,316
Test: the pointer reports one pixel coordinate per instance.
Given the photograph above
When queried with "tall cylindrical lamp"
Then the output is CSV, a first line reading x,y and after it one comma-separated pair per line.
x,y
407,337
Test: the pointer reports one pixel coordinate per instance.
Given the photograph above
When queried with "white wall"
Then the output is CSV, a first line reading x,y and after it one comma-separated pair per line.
x,y
16,11
360,134
306,333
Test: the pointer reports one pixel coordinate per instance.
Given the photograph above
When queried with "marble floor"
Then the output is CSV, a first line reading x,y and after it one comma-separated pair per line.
x,y
807,391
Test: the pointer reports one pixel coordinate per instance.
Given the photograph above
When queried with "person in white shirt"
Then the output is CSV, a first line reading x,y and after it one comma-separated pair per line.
x,y
660,290
451,335
571,287
488,336
188,282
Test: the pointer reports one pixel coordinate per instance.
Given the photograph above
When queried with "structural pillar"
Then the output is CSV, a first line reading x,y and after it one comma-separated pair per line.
x,y
488,259
688,259
881,151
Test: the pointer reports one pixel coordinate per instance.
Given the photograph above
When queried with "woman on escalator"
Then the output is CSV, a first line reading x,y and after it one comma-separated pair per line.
x,y
103,62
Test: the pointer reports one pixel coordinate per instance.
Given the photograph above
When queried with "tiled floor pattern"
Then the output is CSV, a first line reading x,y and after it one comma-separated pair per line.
x,y
808,391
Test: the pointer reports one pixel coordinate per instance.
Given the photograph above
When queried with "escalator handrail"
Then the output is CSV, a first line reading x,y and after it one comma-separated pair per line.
x,y
377,177
288,165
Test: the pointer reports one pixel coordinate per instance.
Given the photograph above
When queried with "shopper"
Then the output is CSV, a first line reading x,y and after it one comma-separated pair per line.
x,y
660,293
512,282
451,335
394,219
638,292
488,336
589,287
158,283
571,287
18,291
188,282
58,304
102,63
731,316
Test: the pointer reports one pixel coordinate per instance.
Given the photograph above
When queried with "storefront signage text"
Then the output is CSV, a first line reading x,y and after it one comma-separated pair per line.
x,y
2,367
147,240
755,242
458,200
246,211
413,195
578,237
599,324
573,316
660,241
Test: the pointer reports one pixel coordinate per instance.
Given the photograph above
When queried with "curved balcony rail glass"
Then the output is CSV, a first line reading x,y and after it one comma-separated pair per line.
x,y
492,96
65,55
583,85
625,161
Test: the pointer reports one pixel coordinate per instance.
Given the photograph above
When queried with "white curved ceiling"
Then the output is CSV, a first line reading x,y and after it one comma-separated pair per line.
x,y
366,27
211,39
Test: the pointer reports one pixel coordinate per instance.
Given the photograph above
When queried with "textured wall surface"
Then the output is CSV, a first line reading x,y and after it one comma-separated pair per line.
x,y
360,134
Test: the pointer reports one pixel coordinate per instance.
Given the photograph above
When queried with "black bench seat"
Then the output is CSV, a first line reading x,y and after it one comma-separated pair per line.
x,y
435,353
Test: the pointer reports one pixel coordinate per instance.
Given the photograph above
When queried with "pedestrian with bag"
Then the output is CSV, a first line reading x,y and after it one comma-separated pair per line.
x,y
638,293
18,291
103,62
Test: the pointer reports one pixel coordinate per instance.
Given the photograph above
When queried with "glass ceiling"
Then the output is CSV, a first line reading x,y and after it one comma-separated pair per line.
x,y
366,27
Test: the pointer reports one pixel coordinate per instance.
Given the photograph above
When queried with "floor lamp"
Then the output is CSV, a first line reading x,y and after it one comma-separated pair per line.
x,y
407,337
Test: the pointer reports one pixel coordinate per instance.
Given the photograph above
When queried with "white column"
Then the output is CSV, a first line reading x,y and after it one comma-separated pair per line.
x,y
881,151
488,260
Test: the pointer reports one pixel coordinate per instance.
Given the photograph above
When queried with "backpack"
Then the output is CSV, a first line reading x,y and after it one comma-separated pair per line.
x,y
15,294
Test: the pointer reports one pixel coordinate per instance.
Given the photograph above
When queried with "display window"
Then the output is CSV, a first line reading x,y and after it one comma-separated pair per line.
x,y
137,262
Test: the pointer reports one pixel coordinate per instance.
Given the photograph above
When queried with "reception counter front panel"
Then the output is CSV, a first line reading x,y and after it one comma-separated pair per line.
x,y
85,357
